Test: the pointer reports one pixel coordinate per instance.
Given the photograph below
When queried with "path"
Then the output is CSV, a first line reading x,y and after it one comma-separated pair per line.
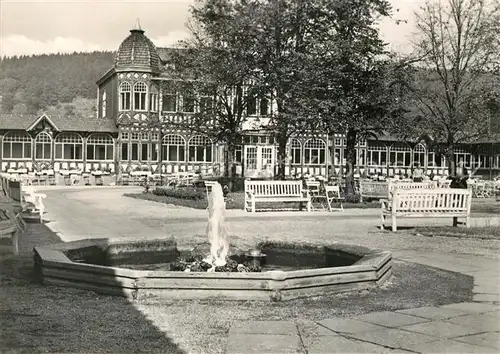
x,y
463,327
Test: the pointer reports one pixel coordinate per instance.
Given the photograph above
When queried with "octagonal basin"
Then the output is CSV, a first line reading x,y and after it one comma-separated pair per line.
x,y
141,269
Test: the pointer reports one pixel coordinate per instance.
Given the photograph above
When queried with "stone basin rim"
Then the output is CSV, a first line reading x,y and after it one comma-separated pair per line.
x,y
54,267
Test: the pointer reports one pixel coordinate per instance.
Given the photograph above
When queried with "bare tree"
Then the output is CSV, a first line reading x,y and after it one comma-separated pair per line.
x,y
459,41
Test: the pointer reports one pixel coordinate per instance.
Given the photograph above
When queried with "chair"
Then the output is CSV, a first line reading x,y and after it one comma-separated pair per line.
x,y
314,189
333,195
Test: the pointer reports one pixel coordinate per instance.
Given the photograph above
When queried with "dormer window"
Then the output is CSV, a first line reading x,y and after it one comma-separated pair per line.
x,y
125,92
103,105
140,91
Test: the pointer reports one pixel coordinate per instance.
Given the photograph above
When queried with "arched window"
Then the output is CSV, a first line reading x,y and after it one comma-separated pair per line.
x,y
140,91
173,148
69,146
16,145
314,152
43,146
419,155
100,147
200,149
125,92
296,151
103,105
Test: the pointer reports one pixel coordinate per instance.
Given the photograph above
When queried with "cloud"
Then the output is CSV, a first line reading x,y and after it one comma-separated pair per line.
x,y
18,44
170,39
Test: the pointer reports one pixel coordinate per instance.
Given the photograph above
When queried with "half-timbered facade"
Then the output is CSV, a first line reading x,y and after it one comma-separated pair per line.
x,y
132,130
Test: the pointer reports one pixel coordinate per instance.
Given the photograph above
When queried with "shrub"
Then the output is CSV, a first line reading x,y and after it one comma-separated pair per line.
x,y
181,192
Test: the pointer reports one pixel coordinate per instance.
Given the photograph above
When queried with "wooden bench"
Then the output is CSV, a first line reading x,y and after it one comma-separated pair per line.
x,y
11,225
383,190
275,192
427,203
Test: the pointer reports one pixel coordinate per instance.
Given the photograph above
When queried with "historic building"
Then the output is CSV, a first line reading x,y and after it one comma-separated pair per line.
x,y
133,130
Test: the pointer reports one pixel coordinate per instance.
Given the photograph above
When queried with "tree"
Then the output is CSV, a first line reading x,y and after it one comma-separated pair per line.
x,y
215,71
459,41
361,81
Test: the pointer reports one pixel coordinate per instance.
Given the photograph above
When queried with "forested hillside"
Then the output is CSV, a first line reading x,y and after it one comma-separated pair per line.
x,y
29,84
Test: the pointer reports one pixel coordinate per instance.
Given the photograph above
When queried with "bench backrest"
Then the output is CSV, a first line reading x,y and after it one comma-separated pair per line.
x,y
374,189
332,191
274,188
429,200
412,185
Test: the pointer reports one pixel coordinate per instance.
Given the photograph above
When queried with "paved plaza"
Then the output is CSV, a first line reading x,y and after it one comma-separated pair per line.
x,y
467,327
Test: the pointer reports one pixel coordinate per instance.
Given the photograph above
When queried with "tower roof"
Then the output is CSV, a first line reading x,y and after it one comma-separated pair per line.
x,y
137,52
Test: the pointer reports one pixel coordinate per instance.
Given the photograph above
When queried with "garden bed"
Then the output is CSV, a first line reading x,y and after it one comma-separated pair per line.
x,y
235,201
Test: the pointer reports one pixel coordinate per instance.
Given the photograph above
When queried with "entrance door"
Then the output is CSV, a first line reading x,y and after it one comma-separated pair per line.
x,y
259,160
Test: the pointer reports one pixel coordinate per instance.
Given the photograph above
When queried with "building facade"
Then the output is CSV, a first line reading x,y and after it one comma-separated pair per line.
x,y
133,130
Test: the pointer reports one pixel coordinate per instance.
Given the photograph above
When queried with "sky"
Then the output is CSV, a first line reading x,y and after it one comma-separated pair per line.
x,y
65,26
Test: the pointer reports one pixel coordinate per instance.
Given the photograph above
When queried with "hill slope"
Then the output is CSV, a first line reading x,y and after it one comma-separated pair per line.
x,y
29,84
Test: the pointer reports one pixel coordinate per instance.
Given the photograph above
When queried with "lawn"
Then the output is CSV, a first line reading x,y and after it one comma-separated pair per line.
x,y
235,201
482,233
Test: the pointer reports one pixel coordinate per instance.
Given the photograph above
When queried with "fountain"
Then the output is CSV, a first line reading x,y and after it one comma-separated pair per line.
x,y
216,229
157,268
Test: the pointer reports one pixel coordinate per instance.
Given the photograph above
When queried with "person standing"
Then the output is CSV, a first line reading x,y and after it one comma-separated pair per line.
x,y
418,173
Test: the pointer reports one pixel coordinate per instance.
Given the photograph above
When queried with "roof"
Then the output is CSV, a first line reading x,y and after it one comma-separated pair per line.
x,y
60,123
137,52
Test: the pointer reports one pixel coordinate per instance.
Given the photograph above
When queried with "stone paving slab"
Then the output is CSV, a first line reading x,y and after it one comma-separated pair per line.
x,y
308,328
433,313
243,343
491,339
449,346
481,322
389,319
472,307
338,344
487,298
265,327
347,325
441,329
394,338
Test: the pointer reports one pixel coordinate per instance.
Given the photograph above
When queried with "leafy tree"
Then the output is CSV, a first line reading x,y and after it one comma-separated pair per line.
x,y
215,71
360,80
455,89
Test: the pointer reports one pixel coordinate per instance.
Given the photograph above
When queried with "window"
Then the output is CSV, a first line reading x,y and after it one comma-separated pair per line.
x,y
134,136
101,147
43,146
188,101
140,91
314,152
419,155
238,154
17,146
69,146
400,156
264,107
103,105
125,91
377,156
124,135
206,101
153,102
338,142
296,151
124,151
200,149
169,102
251,106
361,157
173,148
